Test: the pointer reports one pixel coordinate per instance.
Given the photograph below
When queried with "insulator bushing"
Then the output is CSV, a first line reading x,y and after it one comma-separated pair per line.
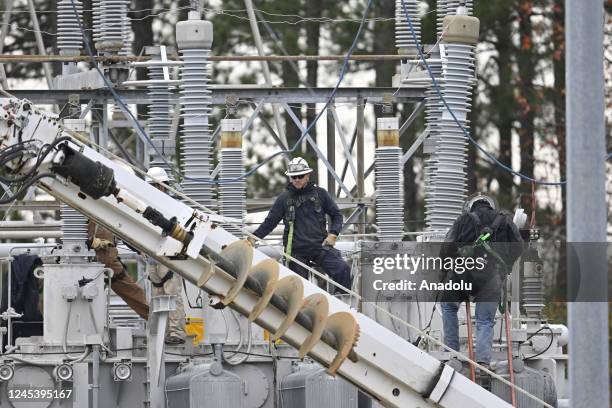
x,y
440,14
69,35
232,195
532,289
433,113
404,40
160,118
449,7
194,39
74,224
445,202
127,38
389,181
96,20
113,28
445,172
452,6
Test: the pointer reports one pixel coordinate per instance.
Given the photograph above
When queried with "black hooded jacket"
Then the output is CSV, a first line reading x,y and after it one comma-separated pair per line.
x,y
310,225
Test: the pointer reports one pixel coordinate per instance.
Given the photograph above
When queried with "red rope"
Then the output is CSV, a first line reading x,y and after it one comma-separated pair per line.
x,y
468,313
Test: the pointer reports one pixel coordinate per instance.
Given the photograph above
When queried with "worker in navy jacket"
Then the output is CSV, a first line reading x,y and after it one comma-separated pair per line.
x,y
303,208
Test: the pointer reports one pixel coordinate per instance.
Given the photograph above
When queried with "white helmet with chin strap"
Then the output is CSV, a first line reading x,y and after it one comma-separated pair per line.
x,y
157,175
298,167
474,198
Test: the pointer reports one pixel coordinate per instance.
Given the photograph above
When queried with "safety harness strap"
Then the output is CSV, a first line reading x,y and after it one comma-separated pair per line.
x,y
289,244
497,223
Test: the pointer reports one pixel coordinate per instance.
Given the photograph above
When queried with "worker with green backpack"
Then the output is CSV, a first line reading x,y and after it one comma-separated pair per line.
x,y
481,231
303,207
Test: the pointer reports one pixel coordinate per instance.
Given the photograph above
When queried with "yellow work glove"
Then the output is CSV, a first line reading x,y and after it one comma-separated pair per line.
x,y
251,241
98,243
330,240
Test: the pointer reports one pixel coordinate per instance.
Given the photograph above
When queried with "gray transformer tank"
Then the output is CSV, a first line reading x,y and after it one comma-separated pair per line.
x,y
314,388
198,385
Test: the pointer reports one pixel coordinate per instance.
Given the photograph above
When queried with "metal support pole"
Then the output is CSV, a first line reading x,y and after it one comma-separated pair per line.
x,y
331,151
264,66
360,156
586,202
267,125
351,218
103,135
347,149
40,44
161,306
6,26
348,160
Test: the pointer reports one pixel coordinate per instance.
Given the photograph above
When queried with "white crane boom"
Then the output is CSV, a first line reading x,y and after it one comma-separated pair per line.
x,y
190,242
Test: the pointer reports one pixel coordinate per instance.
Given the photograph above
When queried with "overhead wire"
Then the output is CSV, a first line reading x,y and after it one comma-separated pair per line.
x,y
158,12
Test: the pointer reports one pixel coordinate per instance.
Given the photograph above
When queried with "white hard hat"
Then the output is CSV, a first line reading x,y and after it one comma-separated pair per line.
x,y
297,167
157,175
474,198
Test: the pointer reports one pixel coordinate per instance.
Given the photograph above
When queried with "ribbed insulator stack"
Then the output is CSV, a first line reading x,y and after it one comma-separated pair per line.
x,y
69,35
404,39
74,224
232,195
449,7
96,20
389,181
450,179
453,5
194,40
160,120
433,113
112,32
440,14
127,32
532,289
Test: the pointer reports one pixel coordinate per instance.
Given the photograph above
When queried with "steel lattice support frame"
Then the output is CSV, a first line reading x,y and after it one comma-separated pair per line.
x,y
260,98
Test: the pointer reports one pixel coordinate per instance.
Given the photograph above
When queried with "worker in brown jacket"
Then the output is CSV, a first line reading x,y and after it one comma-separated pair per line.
x,y
103,242
163,280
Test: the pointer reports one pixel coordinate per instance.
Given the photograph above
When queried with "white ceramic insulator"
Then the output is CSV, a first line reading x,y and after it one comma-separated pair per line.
x,y
389,193
196,138
69,35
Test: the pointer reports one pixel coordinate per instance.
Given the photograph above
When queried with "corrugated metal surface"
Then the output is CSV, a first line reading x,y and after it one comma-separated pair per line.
x,y
197,387
535,382
313,388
